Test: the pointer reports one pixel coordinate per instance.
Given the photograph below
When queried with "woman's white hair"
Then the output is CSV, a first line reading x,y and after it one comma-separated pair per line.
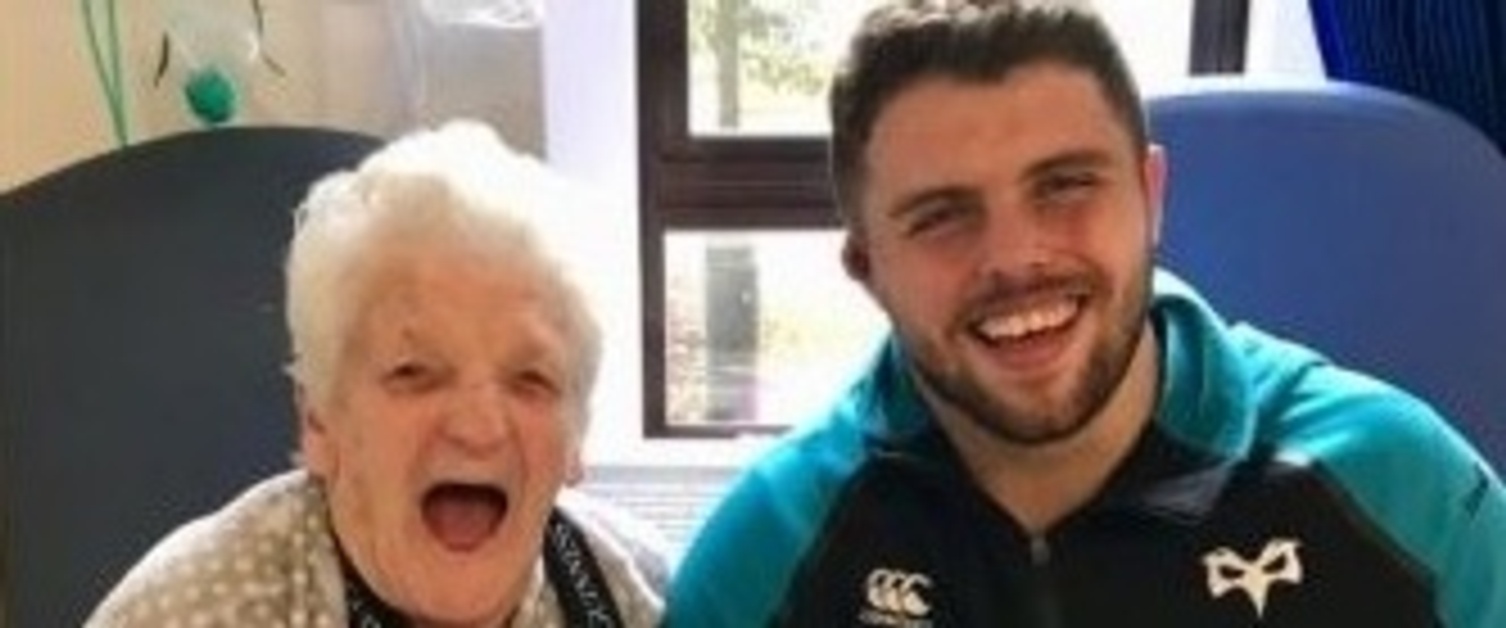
x,y
458,187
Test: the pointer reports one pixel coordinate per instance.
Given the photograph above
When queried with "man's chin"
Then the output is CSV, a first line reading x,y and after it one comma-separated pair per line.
x,y
1023,422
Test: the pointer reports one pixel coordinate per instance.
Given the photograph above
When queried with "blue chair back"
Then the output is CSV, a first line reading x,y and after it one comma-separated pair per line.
x,y
1366,224
141,348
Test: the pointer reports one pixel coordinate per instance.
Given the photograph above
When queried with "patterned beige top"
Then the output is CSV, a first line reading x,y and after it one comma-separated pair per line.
x,y
268,559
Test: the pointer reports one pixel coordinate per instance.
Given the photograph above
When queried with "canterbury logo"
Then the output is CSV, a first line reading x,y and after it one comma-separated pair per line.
x,y
902,593
1277,562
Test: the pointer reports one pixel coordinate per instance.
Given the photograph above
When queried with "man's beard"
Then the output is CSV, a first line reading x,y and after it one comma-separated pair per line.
x,y
1026,423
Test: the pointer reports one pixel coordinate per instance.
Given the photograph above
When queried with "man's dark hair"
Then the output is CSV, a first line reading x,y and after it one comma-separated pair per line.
x,y
978,41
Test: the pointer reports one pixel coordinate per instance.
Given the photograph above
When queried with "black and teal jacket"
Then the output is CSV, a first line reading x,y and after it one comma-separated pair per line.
x,y
1273,489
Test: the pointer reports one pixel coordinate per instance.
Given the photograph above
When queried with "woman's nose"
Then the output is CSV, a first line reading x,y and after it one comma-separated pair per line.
x,y
479,421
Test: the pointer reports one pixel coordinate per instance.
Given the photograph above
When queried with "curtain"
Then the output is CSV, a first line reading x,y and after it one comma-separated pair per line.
x,y
1450,52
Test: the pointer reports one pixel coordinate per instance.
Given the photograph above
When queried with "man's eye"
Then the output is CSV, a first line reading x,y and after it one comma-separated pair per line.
x,y
933,218
1067,188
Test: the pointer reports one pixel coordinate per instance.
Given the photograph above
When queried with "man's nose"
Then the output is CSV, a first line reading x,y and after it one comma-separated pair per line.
x,y
1011,241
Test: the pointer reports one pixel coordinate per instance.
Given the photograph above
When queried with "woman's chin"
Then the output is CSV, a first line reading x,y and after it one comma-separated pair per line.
x,y
478,585
457,608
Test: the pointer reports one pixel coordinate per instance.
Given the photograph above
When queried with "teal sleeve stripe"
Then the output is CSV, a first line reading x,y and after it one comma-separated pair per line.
x,y
1476,565
740,566
1422,484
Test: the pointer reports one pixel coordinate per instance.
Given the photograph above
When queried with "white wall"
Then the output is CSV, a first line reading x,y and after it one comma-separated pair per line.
x,y
48,111
1282,40
349,64
53,110
590,92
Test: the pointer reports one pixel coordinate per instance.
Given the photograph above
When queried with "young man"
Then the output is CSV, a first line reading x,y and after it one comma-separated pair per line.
x,y
1058,434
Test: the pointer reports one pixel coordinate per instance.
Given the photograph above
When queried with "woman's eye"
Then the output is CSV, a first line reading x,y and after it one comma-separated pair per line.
x,y
537,385
411,376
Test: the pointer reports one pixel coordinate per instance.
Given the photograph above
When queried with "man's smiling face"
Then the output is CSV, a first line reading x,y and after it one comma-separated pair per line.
x,y
1008,229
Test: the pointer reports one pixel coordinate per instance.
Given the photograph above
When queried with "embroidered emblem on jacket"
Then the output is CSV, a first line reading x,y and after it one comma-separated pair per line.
x,y
896,598
1228,571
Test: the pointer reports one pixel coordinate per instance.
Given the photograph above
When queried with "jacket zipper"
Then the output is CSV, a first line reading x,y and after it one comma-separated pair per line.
x,y
1047,609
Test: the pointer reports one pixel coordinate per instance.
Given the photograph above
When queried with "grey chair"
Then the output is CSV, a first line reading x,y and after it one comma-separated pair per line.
x,y
1367,224
141,347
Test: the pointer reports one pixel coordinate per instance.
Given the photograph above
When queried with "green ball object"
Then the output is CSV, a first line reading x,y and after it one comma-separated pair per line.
x,y
211,96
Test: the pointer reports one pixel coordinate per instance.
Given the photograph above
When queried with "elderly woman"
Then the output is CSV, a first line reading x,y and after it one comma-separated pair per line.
x,y
443,356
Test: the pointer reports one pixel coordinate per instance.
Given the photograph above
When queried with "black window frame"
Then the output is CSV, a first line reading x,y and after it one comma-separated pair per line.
x,y
737,183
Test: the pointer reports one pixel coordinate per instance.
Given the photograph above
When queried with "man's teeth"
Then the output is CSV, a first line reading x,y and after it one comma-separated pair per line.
x,y
1020,324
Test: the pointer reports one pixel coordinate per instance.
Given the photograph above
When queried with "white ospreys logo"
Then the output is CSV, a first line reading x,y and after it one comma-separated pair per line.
x,y
896,598
1278,562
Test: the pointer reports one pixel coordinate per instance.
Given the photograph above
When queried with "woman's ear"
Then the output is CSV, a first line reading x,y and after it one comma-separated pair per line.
x,y
575,466
315,444
575,469
575,444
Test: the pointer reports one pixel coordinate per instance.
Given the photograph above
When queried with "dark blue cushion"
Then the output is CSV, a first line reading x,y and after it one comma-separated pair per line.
x,y
1369,225
141,350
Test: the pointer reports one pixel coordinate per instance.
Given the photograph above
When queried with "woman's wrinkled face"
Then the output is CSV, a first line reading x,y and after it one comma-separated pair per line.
x,y
448,431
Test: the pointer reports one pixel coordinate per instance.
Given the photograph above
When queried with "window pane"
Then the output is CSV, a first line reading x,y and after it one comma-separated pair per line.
x,y
763,327
760,67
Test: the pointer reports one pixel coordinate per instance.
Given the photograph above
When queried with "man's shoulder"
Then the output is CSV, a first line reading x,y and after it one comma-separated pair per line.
x,y
1327,411
811,461
760,532
1295,396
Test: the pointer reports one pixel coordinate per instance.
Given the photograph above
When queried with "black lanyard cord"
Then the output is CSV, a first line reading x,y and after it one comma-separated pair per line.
x,y
583,594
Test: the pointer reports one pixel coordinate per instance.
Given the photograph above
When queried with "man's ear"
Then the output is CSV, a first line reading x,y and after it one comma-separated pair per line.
x,y
855,258
1154,181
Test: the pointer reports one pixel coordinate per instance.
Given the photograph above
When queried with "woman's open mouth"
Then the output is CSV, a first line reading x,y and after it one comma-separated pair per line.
x,y
463,516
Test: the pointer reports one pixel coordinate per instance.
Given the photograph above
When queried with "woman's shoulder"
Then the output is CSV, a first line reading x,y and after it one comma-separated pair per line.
x,y
242,560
